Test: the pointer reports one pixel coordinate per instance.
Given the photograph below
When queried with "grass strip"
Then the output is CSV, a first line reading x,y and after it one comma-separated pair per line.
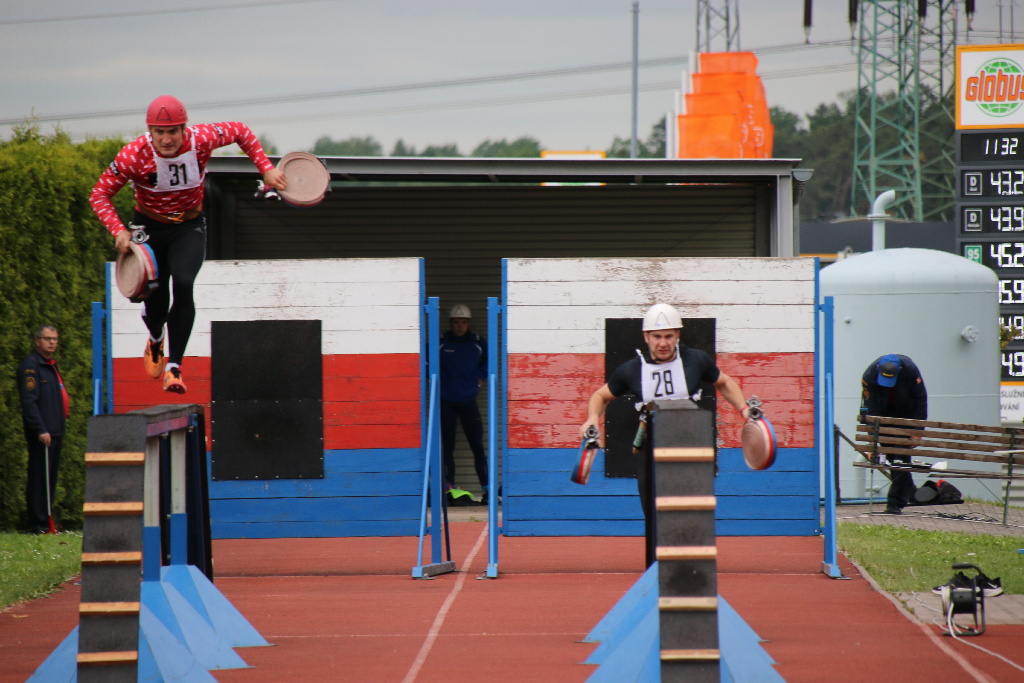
x,y
33,566
904,560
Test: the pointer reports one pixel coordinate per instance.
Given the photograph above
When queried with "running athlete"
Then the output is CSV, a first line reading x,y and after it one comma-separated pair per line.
x,y
166,167
673,372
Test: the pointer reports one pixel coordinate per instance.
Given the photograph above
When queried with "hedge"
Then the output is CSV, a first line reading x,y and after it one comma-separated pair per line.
x,y
52,255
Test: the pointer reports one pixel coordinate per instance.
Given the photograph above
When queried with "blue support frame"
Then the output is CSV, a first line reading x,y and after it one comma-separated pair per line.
x,y
826,403
108,334
495,312
433,468
98,324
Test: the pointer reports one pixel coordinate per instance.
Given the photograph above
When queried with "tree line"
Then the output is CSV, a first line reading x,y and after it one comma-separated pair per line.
x,y
823,139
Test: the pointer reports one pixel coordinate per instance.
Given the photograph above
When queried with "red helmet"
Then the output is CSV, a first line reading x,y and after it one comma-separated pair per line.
x,y
166,110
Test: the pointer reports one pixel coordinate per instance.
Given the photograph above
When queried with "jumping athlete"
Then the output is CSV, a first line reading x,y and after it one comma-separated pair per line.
x,y
166,167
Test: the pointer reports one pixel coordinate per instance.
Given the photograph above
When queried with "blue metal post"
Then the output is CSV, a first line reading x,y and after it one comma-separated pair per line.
x,y
432,451
493,346
830,565
109,334
97,357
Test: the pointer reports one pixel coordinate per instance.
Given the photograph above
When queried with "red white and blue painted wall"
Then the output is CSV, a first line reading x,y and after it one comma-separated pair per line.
x,y
371,339
765,334
374,407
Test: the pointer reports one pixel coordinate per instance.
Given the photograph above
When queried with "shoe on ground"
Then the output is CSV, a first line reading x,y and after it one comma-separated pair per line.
x,y
891,510
460,497
990,588
154,359
959,580
172,381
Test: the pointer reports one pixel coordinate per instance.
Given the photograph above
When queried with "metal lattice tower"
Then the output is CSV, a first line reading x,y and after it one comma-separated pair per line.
x,y
905,107
718,26
938,40
886,146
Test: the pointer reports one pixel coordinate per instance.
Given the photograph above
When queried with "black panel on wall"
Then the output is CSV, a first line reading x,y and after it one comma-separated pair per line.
x,y
622,337
267,399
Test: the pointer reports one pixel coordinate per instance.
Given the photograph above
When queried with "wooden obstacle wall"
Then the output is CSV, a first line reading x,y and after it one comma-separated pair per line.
x,y
372,411
556,311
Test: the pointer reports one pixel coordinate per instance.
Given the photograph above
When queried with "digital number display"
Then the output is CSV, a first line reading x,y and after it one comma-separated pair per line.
x,y
993,218
1013,322
997,182
996,254
1011,291
1013,364
991,147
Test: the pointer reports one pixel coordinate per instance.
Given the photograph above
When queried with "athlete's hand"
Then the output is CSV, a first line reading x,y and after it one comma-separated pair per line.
x,y
275,179
122,240
587,425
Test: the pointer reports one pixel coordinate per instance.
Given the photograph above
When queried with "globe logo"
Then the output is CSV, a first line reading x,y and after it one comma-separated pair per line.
x,y
998,87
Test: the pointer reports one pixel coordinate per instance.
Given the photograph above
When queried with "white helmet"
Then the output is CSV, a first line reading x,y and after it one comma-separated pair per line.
x,y
460,311
662,317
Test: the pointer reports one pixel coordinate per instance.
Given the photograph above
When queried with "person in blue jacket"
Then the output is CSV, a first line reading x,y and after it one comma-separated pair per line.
x,y
463,372
44,409
892,386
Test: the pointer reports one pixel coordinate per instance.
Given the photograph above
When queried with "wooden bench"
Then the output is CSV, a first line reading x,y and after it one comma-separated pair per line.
x,y
893,436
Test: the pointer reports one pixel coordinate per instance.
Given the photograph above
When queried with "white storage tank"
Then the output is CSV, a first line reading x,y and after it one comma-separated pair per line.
x,y
939,309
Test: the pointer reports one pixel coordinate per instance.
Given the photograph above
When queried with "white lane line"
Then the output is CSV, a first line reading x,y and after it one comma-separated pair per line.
x,y
435,628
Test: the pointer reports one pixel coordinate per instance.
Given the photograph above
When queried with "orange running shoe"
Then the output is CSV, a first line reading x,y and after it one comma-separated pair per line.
x,y
154,359
172,381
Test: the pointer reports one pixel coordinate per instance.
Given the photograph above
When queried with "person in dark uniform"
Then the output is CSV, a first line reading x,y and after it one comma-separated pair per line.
x,y
669,371
44,409
892,386
463,371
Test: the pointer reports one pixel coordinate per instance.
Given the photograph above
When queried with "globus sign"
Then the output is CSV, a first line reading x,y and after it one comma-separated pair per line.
x,y
990,86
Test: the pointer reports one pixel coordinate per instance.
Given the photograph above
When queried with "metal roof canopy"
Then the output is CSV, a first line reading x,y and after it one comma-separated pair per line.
x,y
780,175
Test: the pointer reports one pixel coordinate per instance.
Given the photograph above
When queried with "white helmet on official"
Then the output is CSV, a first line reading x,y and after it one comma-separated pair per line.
x,y
662,317
460,311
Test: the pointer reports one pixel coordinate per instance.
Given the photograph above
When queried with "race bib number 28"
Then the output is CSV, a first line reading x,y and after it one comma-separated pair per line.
x,y
663,385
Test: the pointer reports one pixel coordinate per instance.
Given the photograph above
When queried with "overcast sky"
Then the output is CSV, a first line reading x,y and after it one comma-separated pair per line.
x,y
424,71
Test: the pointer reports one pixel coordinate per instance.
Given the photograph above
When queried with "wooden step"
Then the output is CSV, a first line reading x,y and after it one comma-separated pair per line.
x,y
115,458
112,558
132,508
687,604
109,608
679,454
686,552
684,503
705,655
104,658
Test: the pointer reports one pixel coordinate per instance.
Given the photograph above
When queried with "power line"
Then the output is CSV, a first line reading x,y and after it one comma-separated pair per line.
x,y
477,103
154,12
678,60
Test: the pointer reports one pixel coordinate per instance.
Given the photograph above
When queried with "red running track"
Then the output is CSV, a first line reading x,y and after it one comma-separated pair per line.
x,y
346,609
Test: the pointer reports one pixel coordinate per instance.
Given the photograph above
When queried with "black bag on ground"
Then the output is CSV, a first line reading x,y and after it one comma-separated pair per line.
x,y
937,493
948,494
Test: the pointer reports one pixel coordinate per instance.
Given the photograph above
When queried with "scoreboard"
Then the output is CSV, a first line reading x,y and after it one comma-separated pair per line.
x,y
990,222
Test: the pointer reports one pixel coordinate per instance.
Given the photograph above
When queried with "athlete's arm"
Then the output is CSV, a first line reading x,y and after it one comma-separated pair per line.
x,y
732,393
599,400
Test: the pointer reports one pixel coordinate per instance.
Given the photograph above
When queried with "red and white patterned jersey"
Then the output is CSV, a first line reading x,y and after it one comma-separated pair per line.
x,y
137,163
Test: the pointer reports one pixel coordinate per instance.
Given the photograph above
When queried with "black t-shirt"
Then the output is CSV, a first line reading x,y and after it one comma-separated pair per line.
x,y
697,366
